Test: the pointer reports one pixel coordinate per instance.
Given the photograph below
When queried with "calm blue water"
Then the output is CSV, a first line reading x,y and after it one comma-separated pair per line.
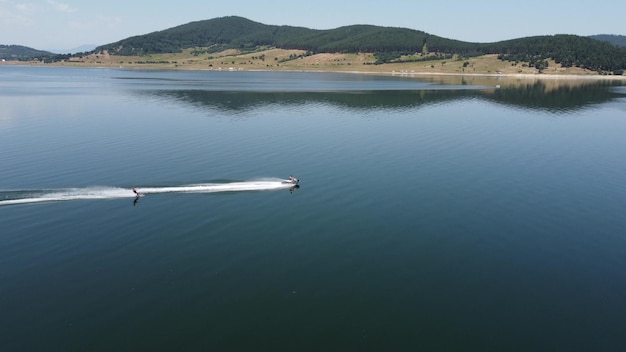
x,y
437,217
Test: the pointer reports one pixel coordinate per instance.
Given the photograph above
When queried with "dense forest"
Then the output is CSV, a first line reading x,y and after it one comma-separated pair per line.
x,y
567,50
238,32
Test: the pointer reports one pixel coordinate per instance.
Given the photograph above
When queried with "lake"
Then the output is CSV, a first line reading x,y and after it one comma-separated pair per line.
x,y
434,214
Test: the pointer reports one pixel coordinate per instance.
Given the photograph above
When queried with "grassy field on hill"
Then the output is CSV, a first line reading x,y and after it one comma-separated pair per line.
x,y
297,60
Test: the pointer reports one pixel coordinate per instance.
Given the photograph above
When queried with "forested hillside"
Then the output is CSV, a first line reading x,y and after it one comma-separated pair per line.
x,y
567,50
388,43
237,32
18,52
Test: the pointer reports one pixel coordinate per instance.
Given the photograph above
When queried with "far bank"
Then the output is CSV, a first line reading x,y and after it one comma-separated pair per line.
x,y
476,68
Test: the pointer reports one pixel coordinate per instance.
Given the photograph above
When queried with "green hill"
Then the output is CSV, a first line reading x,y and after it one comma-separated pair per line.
x,y
388,43
238,32
18,52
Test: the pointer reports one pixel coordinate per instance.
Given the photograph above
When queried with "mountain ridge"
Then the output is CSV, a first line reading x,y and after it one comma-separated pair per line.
x,y
388,44
20,52
615,39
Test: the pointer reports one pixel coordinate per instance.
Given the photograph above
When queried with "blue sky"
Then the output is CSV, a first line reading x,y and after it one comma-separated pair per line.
x,y
67,24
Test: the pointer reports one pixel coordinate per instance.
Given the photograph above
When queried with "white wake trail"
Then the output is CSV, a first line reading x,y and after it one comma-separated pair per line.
x,y
92,193
219,187
42,196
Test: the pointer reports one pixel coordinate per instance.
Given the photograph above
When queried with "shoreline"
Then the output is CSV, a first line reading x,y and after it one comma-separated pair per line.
x,y
399,73
486,67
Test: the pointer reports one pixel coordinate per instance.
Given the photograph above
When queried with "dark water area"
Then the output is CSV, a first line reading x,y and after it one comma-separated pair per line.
x,y
463,215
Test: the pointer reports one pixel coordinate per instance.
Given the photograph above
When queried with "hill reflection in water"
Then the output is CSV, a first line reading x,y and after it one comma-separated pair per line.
x,y
537,95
